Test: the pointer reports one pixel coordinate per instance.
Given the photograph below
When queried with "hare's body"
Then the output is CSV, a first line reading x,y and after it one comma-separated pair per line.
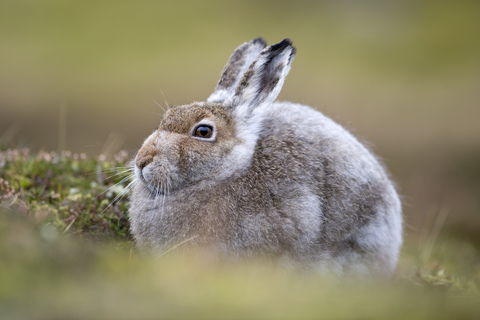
x,y
278,179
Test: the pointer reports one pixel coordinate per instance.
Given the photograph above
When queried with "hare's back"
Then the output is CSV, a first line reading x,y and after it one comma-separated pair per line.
x,y
350,183
320,139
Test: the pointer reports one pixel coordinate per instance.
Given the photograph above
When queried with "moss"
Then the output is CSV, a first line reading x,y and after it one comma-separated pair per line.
x,y
71,192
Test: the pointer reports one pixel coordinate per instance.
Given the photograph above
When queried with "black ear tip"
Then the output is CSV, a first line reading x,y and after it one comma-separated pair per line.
x,y
286,42
259,41
281,46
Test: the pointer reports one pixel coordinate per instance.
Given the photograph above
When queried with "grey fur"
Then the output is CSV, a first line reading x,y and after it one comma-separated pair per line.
x,y
236,66
278,179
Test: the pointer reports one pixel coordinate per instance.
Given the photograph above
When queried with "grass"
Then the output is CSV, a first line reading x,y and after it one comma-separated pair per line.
x,y
65,253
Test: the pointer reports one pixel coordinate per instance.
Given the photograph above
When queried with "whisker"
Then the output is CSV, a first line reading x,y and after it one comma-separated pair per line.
x,y
163,199
119,196
128,187
117,174
158,104
116,184
110,170
176,246
156,196
165,100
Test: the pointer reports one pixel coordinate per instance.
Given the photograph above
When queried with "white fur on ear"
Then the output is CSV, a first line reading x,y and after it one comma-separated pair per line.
x,y
236,66
263,81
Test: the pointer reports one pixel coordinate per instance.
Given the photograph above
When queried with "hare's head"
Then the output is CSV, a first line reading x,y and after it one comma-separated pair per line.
x,y
210,141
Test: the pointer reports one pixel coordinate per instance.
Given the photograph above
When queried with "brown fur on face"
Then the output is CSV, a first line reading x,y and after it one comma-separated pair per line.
x,y
145,156
181,119
173,156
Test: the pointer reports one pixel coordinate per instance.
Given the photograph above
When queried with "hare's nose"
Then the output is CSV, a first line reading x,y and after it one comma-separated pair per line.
x,y
145,156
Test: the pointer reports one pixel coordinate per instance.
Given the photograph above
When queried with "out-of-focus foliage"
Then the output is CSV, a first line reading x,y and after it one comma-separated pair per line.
x,y
64,254
67,193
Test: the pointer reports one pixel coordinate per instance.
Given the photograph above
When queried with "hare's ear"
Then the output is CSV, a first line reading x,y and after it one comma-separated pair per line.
x,y
264,79
236,66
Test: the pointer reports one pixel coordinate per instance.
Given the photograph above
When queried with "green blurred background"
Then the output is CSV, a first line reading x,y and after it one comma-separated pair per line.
x,y
403,75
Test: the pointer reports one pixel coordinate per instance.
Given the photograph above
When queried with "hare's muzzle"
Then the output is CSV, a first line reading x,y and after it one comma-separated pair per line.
x,y
145,156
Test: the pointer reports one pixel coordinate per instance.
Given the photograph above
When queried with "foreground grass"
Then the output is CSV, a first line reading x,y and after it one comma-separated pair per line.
x,y
65,252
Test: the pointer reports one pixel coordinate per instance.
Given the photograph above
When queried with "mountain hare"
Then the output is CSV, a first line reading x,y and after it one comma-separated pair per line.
x,y
241,175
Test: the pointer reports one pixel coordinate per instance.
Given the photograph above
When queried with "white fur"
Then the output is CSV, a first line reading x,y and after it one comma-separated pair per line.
x,y
250,112
253,49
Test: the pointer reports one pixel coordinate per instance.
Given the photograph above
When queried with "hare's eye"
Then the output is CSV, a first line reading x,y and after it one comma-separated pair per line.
x,y
203,131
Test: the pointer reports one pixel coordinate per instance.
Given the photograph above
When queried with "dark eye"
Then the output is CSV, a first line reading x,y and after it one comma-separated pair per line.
x,y
203,131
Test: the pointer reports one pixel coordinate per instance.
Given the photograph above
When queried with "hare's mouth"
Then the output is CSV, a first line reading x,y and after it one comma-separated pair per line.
x,y
154,185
